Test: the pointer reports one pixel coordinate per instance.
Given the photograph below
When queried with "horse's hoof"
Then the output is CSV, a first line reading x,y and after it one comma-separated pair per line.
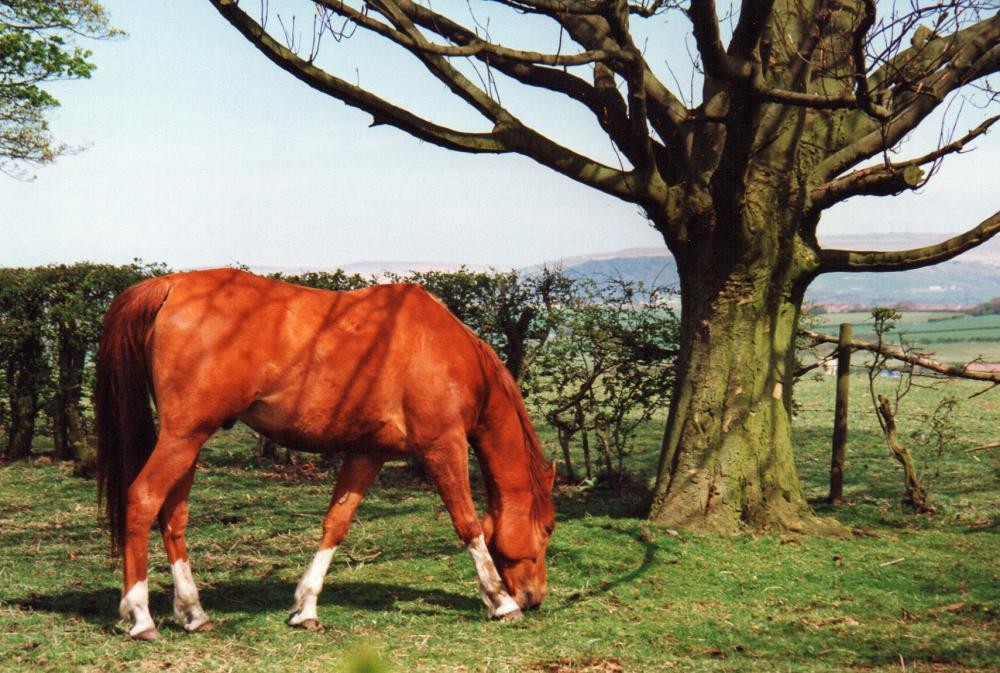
x,y
308,625
513,616
204,627
149,635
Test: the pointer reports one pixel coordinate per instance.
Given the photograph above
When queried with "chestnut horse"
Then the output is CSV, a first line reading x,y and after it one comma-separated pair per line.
x,y
378,373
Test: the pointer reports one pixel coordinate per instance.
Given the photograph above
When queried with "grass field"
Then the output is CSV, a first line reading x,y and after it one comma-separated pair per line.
x,y
913,593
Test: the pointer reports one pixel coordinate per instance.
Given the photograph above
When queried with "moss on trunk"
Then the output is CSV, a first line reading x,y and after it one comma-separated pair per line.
x,y
727,463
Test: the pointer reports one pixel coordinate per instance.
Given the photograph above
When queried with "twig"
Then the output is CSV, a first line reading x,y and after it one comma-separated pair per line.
x,y
991,445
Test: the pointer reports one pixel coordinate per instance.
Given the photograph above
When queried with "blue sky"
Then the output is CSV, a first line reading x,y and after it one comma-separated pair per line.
x,y
201,152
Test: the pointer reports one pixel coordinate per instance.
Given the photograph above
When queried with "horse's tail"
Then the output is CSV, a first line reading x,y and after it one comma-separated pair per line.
x,y
504,385
126,433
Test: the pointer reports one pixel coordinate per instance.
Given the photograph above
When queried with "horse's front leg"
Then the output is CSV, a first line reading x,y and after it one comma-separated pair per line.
x,y
173,523
166,467
447,462
356,475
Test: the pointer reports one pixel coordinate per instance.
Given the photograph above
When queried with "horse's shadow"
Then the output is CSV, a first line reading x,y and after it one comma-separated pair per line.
x,y
237,601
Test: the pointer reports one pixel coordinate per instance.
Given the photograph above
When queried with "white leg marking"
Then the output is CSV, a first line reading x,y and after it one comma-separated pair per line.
x,y
187,605
309,587
491,587
135,605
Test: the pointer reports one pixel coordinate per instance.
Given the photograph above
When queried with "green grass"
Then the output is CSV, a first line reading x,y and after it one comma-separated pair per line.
x,y
624,595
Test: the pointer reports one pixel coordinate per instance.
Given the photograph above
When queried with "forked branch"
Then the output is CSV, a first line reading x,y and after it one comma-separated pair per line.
x,y
973,53
508,134
473,47
705,25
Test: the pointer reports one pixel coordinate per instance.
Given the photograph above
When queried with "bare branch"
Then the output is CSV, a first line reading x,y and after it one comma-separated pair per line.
x,y
903,260
665,111
816,101
593,32
754,15
553,7
875,181
381,110
602,99
718,64
508,135
917,360
890,178
441,67
862,92
975,55
473,47
653,8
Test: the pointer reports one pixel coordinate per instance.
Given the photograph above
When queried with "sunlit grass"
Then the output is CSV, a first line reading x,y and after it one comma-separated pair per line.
x,y
625,595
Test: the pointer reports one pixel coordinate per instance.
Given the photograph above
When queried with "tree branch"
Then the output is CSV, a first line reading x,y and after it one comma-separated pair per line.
x,y
917,360
903,260
508,134
602,99
888,178
976,55
441,68
861,90
754,15
475,46
381,110
718,64
666,111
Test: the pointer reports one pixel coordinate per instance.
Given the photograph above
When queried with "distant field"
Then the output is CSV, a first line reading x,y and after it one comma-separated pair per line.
x,y
865,317
951,337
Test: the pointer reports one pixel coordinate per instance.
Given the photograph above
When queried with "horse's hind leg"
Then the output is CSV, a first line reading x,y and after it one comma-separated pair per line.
x,y
171,460
447,461
173,519
356,475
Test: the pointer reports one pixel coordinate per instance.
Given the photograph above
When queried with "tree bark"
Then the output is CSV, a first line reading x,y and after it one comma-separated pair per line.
x,y
727,463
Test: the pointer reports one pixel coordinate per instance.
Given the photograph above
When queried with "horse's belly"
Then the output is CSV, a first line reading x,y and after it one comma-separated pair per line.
x,y
325,430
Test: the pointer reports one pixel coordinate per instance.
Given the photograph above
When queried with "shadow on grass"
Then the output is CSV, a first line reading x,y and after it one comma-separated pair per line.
x,y
273,596
100,606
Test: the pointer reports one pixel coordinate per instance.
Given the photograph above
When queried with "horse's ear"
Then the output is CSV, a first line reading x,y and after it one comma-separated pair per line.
x,y
552,475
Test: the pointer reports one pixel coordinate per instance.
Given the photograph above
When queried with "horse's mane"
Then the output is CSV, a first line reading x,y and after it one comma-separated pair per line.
x,y
542,511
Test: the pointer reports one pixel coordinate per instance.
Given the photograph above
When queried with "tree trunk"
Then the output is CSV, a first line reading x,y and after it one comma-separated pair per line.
x,y
585,440
23,378
916,495
727,462
67,419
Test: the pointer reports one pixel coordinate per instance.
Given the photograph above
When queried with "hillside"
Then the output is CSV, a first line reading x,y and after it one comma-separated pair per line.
x,y
970,279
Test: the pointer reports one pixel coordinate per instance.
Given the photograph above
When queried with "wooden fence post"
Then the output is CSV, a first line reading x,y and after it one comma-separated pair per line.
x,y
840,415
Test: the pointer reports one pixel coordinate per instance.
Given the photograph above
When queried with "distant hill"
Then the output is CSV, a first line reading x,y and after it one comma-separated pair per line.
x,y
970,279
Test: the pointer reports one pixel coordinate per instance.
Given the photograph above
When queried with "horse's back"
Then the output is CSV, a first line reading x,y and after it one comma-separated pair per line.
x,y
313,368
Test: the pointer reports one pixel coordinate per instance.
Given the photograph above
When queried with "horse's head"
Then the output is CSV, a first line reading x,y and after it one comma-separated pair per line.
x,y
518,542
